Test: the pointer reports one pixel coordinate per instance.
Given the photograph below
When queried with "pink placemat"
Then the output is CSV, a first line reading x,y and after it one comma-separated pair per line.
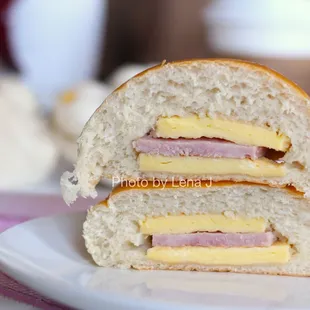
x,y
14,290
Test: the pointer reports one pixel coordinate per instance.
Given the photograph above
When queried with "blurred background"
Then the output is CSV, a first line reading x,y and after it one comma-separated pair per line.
x,y
60,59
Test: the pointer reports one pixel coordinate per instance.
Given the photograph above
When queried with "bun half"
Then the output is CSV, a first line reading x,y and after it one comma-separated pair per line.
x,y
113,237
220,88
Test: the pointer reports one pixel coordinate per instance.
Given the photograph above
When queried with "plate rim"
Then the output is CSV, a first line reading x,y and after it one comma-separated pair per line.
x,y
10,267
29,278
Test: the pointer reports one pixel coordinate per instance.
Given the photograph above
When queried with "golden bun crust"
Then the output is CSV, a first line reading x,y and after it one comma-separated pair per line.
x,y
240,63
220,269
150,185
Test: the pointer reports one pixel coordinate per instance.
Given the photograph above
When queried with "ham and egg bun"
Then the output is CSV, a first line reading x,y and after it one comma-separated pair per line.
x,y
206,119
223,226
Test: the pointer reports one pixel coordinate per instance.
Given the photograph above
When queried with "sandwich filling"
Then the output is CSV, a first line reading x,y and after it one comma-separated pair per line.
x,y
194,145
213,239
194,127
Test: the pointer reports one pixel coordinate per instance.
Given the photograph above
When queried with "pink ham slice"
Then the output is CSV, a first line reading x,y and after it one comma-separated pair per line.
x,y
197,147
215,239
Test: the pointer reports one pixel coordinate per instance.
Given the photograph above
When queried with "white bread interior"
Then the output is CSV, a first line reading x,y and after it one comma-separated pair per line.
x,y
235,90
112,235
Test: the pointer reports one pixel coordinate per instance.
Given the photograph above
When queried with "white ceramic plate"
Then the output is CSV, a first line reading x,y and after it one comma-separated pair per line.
x,y
48,255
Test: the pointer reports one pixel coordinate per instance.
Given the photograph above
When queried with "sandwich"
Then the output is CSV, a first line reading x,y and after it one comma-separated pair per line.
x,y
220,226
213,162
213,119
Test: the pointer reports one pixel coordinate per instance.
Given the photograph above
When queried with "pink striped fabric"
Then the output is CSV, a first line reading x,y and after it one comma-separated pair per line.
x,y
13,290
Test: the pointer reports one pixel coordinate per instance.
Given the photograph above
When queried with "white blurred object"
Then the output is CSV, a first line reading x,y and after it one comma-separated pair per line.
x,y
72,110
274,28
14,90
125,72
28,154
56,44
